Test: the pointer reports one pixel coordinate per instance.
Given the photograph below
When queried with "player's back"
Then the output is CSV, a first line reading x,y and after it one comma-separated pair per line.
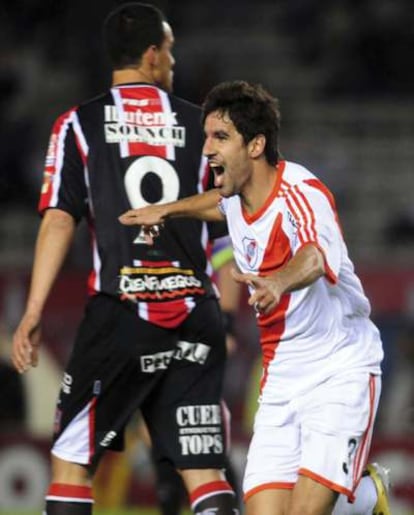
x,y
132,146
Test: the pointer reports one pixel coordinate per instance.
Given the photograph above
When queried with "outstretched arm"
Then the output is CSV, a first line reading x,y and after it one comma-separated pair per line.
x,y
301,271
53,242
203,206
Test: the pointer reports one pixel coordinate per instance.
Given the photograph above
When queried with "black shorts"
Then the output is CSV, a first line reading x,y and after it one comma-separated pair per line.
x,y
121,363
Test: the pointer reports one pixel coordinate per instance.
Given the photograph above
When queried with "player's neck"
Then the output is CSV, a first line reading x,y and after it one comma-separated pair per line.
x,y
259,188
129,75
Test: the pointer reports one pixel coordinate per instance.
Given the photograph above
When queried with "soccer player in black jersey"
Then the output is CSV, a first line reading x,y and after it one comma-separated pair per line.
x,y
152,335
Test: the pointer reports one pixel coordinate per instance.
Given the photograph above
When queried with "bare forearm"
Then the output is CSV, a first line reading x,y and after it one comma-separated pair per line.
x,y
302,270
203,206
52,245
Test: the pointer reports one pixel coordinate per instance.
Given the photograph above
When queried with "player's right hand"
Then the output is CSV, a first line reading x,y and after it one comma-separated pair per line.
x,y
148,216
266,291
26,342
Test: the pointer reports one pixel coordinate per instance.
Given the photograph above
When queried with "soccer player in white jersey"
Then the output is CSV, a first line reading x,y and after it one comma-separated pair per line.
x,y
321,377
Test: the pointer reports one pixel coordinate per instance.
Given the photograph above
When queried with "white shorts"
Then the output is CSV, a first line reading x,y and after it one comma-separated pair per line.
x,y
325,435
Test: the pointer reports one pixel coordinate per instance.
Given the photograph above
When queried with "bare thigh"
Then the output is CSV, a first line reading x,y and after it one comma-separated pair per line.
x,y
308,497
269,502
311,498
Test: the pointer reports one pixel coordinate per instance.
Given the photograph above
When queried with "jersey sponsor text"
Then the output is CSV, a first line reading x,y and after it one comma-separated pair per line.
x,y
194,352
156,136
199,429
128,284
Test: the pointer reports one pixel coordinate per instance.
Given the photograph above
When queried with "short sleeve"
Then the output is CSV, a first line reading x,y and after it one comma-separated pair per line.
x,y
64,184
313,208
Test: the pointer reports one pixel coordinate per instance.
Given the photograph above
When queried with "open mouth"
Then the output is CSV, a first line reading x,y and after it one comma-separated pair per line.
x,y
217,169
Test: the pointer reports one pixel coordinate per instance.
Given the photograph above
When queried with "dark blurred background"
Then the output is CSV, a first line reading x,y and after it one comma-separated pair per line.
x,y
343,72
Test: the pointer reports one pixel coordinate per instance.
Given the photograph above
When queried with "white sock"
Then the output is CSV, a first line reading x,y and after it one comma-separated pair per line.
x,y
365,500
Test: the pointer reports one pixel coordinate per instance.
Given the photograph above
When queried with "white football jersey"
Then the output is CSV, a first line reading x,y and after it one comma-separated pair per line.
x,y
323,328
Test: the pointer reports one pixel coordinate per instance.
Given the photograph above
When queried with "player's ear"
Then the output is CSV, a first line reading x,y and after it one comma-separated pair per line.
x,y
151,55
257,145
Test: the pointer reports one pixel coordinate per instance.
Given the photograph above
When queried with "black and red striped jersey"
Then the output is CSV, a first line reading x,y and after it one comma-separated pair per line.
x,y
129,147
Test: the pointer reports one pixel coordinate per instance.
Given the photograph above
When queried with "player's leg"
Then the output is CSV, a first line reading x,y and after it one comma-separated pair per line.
x,y
184,415
307,498
209,491
336,434
371,496
322,436
232,477
310,497
169,487
269,502
102,387
208,487
272,460
70,492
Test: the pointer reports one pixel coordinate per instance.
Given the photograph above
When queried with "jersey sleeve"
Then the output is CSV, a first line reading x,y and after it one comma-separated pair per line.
x,y
222,205
64,184
313,208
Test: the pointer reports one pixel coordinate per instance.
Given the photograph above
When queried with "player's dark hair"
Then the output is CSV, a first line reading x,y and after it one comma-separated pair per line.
x,y
129,30
252,110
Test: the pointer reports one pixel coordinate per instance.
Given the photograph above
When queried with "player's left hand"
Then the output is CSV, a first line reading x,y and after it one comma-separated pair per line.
x,y
267,291
26,342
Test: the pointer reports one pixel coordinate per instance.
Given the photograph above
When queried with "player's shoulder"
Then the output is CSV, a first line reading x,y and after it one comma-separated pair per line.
x,y
95,102
85,105
295,173
298,177
185,105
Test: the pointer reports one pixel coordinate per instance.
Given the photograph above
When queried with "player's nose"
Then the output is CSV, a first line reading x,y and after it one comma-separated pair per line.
x,y
208,150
